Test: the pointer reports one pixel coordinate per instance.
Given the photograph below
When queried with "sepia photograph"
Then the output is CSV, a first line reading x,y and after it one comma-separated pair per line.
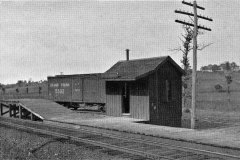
x,y
119,80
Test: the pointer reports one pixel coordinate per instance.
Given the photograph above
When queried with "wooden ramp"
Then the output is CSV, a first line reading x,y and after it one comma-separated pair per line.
x,y
41,108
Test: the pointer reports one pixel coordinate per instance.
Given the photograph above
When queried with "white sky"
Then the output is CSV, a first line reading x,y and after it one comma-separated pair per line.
x,y
38,39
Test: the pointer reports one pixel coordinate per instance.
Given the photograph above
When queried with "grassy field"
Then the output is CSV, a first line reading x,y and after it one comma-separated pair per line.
x,y
211,99
213,107
209,119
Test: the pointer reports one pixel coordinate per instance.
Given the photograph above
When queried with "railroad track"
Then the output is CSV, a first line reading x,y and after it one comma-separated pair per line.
x,y
119,144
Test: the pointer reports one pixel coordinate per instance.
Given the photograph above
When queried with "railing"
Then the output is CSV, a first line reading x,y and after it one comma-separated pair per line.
x,y
17,110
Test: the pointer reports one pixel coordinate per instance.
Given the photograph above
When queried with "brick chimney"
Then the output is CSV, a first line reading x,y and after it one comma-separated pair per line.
x,y
127,54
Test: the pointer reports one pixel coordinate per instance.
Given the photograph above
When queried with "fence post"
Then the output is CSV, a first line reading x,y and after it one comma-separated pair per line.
x,y
1,109
10,110
31,116
20,111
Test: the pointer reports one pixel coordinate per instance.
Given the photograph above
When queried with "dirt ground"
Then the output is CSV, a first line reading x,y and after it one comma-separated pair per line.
x,y
206,119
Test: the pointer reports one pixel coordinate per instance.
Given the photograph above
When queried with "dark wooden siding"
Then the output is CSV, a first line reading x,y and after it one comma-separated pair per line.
x,y
153,98
101,91
78,89
165,112
113,99
94,90
139,99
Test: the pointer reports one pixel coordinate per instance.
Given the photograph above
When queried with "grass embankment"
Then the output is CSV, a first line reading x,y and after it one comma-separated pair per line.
x,y
25,146
209,98
213,107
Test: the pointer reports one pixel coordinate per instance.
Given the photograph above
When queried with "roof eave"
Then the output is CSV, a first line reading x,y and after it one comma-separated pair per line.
x,y
173,63
167,59
120,79
145,74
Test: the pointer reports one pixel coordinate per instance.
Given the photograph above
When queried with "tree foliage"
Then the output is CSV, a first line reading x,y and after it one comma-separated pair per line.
x,y
221,67
186,42
218,88
1,85
228,76
186,47
215,68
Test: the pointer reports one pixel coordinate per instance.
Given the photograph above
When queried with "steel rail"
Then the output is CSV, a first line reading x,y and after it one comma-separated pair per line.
x,y
92,142
155,143
137,140
175,146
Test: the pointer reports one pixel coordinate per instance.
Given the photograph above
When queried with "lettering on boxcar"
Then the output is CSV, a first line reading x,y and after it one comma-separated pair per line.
x,y
54,84
59,91
77,90
65,84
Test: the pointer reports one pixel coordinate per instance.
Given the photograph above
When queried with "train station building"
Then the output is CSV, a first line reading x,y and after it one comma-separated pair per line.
x,y
148,89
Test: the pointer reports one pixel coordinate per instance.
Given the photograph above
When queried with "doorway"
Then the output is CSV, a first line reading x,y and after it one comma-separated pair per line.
x,y
125,99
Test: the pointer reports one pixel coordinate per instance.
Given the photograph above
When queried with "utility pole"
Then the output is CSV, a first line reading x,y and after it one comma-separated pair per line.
x,y
195,33
194,74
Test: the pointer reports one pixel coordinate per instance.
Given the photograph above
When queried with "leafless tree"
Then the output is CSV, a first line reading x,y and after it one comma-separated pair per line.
x,y
186,46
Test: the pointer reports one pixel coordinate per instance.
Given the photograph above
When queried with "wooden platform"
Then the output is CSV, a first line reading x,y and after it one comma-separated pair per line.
x,y
45,109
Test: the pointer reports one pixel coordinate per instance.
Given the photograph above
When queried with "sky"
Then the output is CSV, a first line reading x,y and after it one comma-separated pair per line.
x,y
43,38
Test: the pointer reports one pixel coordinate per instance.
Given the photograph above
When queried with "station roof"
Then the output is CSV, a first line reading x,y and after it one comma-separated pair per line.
x,y
135,69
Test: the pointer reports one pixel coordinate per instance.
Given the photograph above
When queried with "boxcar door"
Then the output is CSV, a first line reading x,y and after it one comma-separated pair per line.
x,y
77,90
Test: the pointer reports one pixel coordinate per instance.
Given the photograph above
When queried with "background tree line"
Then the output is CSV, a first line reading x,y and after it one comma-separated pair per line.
x,y
221,67
22,83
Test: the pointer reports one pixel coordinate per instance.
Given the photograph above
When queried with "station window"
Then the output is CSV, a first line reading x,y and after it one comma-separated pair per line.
x,y
168,90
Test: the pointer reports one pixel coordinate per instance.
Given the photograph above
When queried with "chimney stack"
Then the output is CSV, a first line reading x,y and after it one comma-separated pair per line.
x,y
127,54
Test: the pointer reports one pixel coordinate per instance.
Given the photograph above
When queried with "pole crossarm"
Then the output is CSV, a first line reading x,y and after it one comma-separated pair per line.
x,y
190,4
190,24
191,14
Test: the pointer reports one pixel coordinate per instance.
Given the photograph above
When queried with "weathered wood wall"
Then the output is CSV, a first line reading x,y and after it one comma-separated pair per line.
x,y
165,112
114,99
94,90
139,99
87,89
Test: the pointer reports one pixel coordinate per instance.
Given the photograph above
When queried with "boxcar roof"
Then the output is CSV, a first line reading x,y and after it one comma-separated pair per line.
x,y
77,75
134,69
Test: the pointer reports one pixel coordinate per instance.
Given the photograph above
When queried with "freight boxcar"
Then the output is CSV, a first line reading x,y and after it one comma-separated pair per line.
x,y
73,90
